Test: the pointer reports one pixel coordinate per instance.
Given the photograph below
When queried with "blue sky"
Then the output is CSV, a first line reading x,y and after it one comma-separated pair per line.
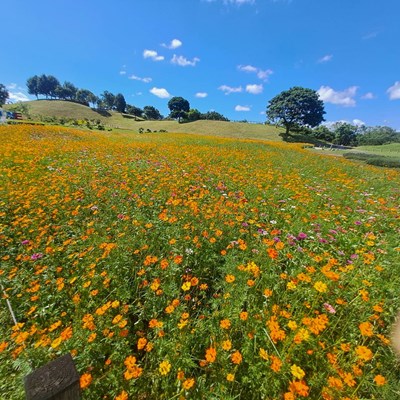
x,y
231,56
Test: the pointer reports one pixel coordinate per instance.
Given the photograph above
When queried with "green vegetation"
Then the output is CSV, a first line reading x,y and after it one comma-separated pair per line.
x,y
189,266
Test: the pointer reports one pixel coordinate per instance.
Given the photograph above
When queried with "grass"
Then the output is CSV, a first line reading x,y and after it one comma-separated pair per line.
x,y
188,266
114,120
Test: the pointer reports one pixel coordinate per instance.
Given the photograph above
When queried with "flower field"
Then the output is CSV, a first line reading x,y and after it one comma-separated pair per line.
x,y
177,266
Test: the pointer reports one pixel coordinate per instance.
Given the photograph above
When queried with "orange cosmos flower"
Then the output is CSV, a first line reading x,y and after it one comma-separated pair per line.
x,y
236,357
188,383
230,278
211,354
122,396
364,353
380,380
85,380
225,324
227,345
366,329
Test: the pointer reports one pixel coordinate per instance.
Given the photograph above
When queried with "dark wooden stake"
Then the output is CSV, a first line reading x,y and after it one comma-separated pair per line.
x,y
57,380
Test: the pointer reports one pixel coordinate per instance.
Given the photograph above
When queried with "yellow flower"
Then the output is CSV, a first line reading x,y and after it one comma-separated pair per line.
x,y
230,278
320,287
186,286
227,345
230,377
297,372
164,367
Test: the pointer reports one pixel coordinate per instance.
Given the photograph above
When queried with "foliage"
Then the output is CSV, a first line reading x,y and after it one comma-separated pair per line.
x,y
186,266
3,94
132,110
214,116
151,113
345,134
378,135
32,84
374,159
193,115
47,85
178,107
323,133
120,103
296,106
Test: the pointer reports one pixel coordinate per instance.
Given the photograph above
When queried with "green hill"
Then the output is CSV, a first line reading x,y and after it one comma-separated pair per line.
x,y
40,109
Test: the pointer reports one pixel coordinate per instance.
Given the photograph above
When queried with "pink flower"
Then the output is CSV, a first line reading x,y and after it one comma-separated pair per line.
x,y
329,308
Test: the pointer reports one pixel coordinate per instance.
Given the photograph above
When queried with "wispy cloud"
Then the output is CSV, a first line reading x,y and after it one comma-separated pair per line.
x,y
394,91
242,108
153,55
137,78
175,43
184,62
261,74
11,86
122,72
201,95
368,96
343,98
229,89
17,96
239,2
160,92
254,89
325,59
370,35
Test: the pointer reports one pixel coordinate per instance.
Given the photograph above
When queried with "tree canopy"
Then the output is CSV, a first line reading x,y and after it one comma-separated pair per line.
x,y
3,94
297,106
178,107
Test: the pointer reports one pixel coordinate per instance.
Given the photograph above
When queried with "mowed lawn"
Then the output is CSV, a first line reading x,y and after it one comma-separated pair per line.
x,y
177,266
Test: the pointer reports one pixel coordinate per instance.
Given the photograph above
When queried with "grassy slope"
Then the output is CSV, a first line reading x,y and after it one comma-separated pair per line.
x,y
65,109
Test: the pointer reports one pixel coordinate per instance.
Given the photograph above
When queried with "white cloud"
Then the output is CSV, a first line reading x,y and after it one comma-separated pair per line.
x,y
11,86
358,122
239,2
17,96
137,78
229,89
242,108
175,43
394,91
344,98
326,58
370,35
201,95
153,55
160,92
368,96
254,89
122,72
262,74
247,68
184,62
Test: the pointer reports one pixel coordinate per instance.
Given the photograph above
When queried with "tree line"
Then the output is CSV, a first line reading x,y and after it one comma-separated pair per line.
x,y
50,87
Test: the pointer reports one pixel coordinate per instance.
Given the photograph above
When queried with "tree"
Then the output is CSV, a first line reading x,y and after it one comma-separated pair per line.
x,y
214,116
378,135
132,110
345,134
47,85
193,115
120,103
296,106
178,107
151,112
323,133
85,97
108,100
3,94
33,85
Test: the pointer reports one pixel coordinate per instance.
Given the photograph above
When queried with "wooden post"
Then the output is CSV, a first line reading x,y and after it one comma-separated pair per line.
x,y
57,380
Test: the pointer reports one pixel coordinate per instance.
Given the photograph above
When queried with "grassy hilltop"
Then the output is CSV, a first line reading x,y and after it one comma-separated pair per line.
x,y
74,111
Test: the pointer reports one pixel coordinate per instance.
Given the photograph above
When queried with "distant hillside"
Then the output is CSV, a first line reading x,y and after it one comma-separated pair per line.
x,y
69,110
